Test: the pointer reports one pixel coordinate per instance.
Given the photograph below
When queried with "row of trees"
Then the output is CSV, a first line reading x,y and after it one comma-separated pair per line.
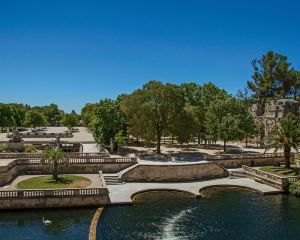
x,y
190,111
184,113
20,115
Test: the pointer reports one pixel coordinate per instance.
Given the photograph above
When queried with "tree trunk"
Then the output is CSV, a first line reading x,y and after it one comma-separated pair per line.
x,y
158,140
199,139
262,135
172,138
246,141
287,156
55,166
224,145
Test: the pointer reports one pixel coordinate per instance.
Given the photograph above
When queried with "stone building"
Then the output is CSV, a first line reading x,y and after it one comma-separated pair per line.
x,y
275,110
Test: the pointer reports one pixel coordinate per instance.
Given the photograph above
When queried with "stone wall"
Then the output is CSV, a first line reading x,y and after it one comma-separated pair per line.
x,y
55,202
21,167
253,162
275,110
279,182
174,173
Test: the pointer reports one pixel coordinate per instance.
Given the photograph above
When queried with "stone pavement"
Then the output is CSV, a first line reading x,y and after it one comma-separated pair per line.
x,y
121,194
82,136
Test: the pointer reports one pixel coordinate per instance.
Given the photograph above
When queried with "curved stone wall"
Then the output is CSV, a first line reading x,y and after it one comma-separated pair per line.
x,y
174,173
23,167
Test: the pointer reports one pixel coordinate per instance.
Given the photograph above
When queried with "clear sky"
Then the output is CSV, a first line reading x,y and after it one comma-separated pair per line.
x,y
78,51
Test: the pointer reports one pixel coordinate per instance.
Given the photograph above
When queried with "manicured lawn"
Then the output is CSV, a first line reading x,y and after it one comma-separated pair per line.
x,y
281,170
46,182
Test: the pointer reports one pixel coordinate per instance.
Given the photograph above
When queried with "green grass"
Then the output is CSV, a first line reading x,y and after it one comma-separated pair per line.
x,y
281,171
47,182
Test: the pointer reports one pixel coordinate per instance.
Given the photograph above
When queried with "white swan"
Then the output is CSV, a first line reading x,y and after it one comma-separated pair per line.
x,y
46,222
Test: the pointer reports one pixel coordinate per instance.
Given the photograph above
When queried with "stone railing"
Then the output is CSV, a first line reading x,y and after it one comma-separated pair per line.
x,y
102,180
50,193
280,182
40,155
242,156
42,135
78,160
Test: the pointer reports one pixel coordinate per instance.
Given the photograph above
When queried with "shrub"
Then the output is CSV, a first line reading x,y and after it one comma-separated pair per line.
x,y
31,149
3,149
294,189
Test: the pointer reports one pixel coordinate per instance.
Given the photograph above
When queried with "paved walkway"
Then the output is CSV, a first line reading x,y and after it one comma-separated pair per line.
x,y
121,194
90,148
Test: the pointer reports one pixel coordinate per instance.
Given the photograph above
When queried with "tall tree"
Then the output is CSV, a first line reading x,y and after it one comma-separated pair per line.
x,y
225,120
34,118
54,157
87,114
153,107
108,120
70,120
269,71
6,116
286,136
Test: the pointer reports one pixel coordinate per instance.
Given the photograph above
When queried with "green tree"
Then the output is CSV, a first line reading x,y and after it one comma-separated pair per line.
x,y
51,112
286,136
153,108
266,79
34,119
70,120
248,125
209,94
18,112
225,120
108,120
54,157
87,115
6,116
120,140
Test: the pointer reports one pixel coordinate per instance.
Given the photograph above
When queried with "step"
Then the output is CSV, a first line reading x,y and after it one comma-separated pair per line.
x,y
237,173
112,179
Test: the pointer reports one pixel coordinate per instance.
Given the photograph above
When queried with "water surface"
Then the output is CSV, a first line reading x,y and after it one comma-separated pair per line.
x,y
222,214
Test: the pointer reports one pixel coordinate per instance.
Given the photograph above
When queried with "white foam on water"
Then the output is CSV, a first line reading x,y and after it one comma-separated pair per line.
x,y
169,227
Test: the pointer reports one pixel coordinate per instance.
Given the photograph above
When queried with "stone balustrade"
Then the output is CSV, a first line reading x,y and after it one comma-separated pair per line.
x,y
40,155
243,156
76,192
84,165
280,182
253,160
45,198
39,134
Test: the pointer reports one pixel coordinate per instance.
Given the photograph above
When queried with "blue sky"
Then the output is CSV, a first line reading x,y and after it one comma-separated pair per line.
x,y
74,52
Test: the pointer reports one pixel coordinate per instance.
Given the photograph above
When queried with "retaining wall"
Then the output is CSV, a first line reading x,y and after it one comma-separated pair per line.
x,y
90,166
174,173
21,199
253,162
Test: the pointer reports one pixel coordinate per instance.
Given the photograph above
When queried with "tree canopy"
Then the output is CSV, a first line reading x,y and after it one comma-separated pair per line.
x,y
34,118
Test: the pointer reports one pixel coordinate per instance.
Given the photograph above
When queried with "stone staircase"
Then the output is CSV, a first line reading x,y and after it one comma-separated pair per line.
x,y
115,178
236,173
112,179
127,169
